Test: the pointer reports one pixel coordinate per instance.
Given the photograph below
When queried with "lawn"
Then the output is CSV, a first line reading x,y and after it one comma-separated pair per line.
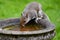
x,y
13,8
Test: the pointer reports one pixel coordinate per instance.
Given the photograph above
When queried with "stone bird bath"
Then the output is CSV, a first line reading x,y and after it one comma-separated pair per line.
x,y
44,34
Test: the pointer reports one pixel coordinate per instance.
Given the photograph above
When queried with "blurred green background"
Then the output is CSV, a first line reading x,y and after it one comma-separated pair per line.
x,y
13,8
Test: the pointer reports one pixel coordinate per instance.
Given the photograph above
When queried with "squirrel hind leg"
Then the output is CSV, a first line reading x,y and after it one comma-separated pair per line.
x,y
37,19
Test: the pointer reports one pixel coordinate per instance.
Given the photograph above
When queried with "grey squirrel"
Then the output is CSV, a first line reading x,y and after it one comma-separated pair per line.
x,y
34,10
31,11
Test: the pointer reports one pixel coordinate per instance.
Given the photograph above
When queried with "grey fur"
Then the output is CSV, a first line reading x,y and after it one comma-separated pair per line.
x,y
41,17
32,10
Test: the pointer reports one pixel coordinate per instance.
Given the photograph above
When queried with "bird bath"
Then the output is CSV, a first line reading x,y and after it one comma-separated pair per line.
x,y
43,34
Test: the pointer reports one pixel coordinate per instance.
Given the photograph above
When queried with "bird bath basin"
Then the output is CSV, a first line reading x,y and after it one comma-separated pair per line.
x,y
43,34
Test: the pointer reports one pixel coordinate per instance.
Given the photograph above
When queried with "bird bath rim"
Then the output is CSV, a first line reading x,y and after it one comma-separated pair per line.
x,y
25,32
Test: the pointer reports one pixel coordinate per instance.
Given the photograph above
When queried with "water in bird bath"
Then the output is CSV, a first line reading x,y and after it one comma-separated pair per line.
x,y
26,28
30,26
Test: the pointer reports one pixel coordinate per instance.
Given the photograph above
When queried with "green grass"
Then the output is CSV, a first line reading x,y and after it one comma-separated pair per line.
x,y
13,8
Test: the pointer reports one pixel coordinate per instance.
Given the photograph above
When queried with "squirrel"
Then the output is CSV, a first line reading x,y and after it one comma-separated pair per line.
x,y
34,10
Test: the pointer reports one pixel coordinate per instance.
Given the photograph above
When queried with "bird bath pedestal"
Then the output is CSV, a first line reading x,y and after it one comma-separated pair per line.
x,y
45,34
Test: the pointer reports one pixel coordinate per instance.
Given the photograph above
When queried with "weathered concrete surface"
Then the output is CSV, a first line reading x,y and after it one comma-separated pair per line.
x,y
45,34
